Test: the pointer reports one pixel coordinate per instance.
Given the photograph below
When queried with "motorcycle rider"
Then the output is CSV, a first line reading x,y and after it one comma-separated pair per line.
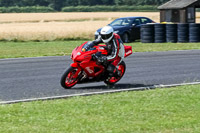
x,y
114,46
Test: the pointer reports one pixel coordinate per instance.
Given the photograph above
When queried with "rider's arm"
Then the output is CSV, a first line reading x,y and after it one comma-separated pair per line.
x,y
96,42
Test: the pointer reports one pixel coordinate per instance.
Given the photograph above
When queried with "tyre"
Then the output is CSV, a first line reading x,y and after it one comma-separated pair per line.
x,y
147,38
194,39
112,80
150,29
183,33
125,38
160,33
68,80
171,33
159,38
194,32
147,33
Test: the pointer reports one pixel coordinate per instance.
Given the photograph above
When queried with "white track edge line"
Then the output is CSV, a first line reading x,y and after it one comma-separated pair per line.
x,y
98,93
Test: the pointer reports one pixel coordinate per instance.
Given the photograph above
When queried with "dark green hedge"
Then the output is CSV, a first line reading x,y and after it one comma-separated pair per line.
x,y
29,9
59,4
108,8
26,9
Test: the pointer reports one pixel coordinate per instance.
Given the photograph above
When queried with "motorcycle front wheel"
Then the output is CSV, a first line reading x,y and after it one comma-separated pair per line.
x,y
68,80
112,80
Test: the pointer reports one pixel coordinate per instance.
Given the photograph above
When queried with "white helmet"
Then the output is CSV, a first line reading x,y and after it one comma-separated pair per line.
x,y
106,33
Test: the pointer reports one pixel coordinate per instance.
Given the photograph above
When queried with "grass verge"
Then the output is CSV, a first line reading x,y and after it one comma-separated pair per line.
x,y
35,49
60,48
160,110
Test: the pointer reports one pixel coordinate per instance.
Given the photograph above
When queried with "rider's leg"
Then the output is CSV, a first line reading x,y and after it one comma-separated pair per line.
x,y
112,67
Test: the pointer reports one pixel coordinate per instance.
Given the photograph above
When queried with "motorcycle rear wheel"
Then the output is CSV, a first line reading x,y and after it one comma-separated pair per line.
x,y
68,80
112,80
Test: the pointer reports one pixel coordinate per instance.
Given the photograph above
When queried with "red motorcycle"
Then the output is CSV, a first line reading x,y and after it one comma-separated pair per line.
x,y
86,69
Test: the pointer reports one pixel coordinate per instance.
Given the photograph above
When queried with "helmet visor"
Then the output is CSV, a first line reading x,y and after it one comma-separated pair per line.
x,y
106,36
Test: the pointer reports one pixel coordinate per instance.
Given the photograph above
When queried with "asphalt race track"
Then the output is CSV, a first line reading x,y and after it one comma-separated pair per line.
x,y
26,78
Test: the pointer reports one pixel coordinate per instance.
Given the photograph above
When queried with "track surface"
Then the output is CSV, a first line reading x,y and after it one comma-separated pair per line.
x,y
39,77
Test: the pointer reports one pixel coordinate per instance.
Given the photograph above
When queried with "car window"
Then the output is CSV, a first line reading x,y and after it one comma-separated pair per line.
x,y
136,21
126,22
144,20
121,22
116,22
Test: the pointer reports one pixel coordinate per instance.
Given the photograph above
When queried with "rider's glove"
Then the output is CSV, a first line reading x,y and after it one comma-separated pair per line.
x,y
91,45
96,56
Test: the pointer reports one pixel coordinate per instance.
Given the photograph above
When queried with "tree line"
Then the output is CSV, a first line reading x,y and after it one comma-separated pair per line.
x,y
57,5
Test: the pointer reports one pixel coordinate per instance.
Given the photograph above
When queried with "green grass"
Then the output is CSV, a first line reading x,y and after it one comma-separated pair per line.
x,y
149,47
59,48
154,111
35,49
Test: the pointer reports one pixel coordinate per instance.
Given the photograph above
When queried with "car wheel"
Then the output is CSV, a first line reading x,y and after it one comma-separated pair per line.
x,y
125,38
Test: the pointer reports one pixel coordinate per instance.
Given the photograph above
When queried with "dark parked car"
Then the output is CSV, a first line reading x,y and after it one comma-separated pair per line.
x,y
128,27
